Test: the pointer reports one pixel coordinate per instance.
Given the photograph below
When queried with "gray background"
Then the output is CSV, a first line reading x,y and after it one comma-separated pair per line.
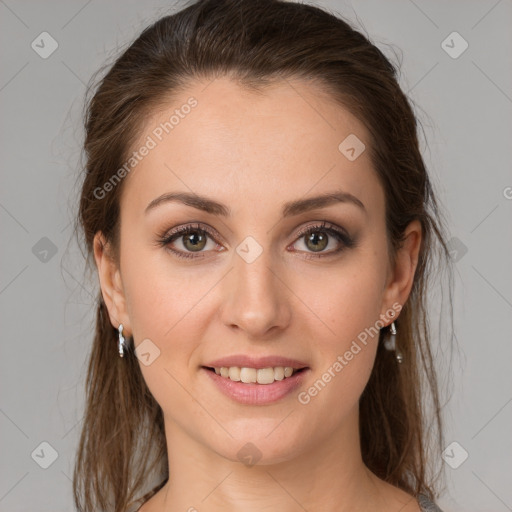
x,y
46,299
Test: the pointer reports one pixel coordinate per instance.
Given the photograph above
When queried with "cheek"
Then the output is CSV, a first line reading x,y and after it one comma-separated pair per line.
x,y
166,306
345,300
161,295
345,351
341,322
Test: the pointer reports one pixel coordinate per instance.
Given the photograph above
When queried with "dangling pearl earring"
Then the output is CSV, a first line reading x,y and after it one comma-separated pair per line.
x,y
121,342
390,343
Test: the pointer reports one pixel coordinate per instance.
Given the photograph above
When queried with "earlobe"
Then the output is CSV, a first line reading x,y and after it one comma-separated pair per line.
x,y
402,276
110,283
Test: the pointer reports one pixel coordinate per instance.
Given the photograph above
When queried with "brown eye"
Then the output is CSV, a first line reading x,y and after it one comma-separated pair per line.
x,y
317,241
184,241
195,241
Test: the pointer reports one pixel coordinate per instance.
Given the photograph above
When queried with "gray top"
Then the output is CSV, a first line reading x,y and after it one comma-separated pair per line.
x,y
427,505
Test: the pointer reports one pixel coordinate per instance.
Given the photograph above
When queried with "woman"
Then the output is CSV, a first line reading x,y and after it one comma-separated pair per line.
x,y
263,227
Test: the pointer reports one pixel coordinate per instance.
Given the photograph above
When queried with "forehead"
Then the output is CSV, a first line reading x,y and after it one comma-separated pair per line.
x,y
244,147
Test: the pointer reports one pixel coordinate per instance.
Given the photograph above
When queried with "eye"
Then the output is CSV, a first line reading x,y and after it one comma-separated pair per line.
x,y
319,237
191,238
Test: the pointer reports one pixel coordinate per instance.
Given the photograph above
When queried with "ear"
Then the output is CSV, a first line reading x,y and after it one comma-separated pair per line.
x,y
401,277
111,284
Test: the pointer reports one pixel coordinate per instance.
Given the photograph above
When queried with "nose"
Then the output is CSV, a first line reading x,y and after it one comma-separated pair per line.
x,y
256,298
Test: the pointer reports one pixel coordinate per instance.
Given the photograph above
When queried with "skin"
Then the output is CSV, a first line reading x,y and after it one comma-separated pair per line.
x,y
254,152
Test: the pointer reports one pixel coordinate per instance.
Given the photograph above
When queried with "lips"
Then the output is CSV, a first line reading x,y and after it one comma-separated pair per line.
x,y
255,393
244,361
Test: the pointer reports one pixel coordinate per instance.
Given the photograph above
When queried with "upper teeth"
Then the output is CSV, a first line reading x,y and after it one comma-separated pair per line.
x,y
261,375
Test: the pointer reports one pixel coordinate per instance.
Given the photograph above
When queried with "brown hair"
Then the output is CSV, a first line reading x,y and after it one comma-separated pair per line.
x,y
257,42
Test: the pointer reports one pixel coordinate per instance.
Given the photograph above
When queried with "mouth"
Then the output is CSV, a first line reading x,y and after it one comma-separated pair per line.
x,y
264,376
256,386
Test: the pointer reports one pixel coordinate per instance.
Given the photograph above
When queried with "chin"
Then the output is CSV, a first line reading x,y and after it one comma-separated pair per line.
x,y
262,450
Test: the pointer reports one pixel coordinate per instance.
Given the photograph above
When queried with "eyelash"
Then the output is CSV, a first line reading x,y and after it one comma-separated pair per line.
x,y
347,242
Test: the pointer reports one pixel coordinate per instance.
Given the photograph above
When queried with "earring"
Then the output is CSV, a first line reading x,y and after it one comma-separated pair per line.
x,y
122,341
390,343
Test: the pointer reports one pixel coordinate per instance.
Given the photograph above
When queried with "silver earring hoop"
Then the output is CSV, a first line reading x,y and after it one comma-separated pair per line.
x,y
390,343
122,342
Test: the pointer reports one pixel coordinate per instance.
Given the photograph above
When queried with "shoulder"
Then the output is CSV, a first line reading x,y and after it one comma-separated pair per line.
x,y
426,505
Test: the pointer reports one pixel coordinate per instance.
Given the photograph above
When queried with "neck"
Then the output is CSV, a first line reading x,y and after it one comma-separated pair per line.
x,y
329,475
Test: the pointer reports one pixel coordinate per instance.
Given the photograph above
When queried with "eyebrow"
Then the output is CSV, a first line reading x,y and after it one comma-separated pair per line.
x,y
289,209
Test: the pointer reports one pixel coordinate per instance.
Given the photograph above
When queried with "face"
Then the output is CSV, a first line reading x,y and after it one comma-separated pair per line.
x,y
257,276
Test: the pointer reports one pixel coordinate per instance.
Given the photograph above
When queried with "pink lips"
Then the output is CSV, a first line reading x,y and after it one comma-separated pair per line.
x,y
243,361
253,393
256,394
